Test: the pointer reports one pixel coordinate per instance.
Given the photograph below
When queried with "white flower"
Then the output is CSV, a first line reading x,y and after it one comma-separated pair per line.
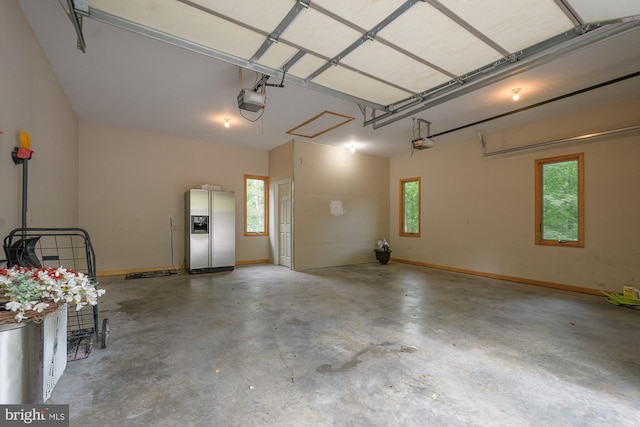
x,y
13,306
35,288
40,306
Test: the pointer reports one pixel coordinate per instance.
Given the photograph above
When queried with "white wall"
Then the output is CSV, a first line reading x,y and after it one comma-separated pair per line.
x,y
322,174
478,213
123,185
31,100
132,181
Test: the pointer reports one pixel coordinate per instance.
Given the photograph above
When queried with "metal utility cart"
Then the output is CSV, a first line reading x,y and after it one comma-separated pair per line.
x,y
69,248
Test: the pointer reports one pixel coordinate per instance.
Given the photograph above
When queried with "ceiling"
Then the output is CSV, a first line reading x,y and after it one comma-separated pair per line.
x,y
177,66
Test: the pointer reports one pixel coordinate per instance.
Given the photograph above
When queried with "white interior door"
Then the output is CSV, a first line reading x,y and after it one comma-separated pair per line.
x,y
283,193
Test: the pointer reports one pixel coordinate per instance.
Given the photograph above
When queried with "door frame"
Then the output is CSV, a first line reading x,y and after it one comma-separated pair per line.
x,y
276,217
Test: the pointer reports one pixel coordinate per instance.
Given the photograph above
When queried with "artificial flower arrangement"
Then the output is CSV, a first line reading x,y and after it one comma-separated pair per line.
x,y
383,253
31,292
383,246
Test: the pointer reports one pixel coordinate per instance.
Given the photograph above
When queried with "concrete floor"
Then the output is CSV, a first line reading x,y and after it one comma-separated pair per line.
x,y
355,346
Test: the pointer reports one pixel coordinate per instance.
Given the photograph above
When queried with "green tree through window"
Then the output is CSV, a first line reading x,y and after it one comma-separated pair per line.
x,y
410,207
255,205
559,217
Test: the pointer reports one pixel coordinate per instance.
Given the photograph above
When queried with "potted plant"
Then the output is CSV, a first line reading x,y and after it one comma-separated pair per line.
x,y
383,252
31,293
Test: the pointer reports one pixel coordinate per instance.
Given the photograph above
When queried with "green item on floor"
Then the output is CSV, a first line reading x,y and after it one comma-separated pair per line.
x,y
619,299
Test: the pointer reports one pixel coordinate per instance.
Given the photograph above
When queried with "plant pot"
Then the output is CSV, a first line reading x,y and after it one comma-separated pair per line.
x,y
382,256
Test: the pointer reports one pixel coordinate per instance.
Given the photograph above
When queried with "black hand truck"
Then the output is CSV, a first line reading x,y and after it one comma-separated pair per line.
x,y
69,248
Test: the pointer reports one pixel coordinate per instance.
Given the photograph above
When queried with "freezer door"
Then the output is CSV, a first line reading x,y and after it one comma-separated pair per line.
x,y
223,229
198,205
198,202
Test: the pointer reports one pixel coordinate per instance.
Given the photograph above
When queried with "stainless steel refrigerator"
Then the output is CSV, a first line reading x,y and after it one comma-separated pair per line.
x,y
210,231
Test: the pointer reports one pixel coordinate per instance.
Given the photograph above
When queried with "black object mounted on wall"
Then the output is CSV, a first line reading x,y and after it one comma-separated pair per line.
x,y
22,155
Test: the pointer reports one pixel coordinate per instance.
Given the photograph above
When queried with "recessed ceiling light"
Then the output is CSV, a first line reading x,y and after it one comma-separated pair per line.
x,y
515,94
226,122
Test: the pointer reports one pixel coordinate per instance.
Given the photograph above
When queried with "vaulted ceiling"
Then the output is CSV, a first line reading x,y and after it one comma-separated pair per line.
x,y
451,62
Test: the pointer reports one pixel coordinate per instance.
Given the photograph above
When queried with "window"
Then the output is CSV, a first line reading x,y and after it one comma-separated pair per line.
x,y
410,207
560,201
256,210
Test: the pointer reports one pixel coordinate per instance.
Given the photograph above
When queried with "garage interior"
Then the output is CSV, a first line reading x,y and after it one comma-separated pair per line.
x,y
471,323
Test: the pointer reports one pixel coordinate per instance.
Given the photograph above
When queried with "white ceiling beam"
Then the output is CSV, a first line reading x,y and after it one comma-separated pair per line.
x,y
125,24
373,34
366,35
222,16
274,37
535,56
570,12
470,28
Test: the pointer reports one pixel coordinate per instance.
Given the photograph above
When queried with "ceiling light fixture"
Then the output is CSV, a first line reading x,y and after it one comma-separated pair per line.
x,y
515,94
352,148
226,122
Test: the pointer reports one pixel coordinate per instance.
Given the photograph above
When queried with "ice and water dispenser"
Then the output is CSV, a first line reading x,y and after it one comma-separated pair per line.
x,y
199,224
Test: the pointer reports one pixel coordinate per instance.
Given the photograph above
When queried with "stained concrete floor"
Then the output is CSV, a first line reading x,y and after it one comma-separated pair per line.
x,y
361,345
